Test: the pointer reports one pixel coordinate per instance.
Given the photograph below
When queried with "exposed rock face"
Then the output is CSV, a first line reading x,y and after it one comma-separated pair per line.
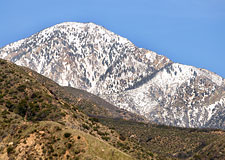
x,y
89,57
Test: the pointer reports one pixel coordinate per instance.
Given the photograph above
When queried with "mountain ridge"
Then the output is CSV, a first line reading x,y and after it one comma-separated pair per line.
x,y
89,57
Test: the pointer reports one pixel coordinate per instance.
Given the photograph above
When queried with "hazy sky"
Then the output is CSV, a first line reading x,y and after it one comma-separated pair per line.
x,y
190,32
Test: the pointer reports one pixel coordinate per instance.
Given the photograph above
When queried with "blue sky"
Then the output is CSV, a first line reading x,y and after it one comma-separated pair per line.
x,y
190,32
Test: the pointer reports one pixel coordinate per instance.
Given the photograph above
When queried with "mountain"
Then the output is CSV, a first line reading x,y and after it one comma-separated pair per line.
x,y
41,120
89,57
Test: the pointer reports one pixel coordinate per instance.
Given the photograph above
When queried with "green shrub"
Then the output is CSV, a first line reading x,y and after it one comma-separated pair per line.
x,y
34,95
10,150
105,138
21,108
2,62
21,88
85,126
197,157
5,112
77,151
122,138
69,145
67,135
75,116
151,154
95,128
42,114
4,76
94,119
63,114
51,149
100,133
119,144
9,105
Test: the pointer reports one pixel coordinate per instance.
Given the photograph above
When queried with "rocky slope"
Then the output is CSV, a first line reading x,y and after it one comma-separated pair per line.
x,y
36,123
89,57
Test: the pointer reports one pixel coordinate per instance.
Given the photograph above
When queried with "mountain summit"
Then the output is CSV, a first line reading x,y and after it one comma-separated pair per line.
x,y
89,57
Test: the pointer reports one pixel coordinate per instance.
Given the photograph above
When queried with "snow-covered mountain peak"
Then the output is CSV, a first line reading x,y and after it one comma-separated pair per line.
x,y
84,29
72,32
90,57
